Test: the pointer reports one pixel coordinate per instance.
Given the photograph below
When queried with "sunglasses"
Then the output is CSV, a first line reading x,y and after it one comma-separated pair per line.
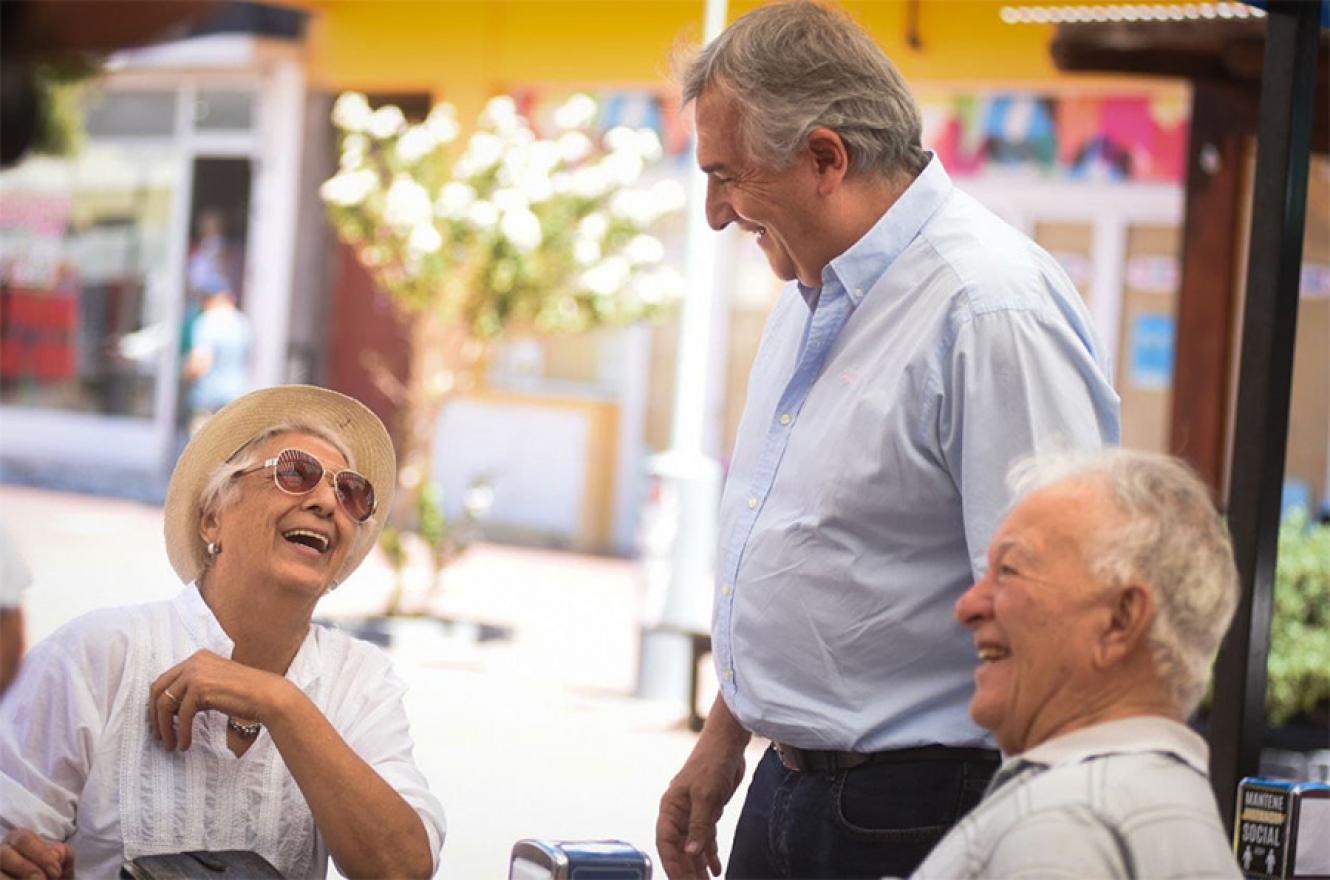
x,y
298,473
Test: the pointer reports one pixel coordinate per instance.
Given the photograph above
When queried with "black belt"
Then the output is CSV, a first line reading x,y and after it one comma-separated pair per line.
x,y
812,761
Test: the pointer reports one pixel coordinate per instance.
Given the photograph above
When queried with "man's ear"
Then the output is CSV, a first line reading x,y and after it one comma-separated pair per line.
x,y
831,158
1131,610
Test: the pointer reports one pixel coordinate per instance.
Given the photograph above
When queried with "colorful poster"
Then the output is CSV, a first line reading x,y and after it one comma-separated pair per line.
x,y
1151,352
1074,137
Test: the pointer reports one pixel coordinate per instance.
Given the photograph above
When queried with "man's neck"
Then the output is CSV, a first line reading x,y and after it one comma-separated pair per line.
x,y
856,208
1127,697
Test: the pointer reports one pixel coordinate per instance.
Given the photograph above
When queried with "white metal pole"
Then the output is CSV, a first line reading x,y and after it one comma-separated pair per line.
x,y
689,472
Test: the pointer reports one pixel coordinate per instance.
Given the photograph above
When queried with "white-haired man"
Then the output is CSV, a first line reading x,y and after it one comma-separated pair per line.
x,y
1108,590
922,347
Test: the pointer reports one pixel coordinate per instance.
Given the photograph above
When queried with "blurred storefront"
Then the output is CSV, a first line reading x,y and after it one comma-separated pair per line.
x,y
188,171
96,250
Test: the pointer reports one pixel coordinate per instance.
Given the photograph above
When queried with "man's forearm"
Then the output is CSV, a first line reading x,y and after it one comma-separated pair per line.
x,y
723,728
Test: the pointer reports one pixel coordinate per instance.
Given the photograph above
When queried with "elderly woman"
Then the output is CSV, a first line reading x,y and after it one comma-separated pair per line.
x,y
222,719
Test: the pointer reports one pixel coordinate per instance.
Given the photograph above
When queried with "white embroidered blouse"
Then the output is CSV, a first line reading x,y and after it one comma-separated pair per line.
x,y
78,761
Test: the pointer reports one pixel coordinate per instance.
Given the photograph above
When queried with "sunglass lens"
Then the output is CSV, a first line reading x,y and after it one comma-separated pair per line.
x,y
356,495
298,472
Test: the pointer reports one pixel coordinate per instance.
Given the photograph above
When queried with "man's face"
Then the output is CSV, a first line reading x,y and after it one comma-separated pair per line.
x,y
774,205
1036,616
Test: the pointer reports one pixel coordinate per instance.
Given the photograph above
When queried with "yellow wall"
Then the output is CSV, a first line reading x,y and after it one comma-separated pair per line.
x,y
469,49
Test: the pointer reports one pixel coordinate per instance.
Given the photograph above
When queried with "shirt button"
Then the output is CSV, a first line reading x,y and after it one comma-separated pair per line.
x,y
752,503
728,675
858,291
786,418
726,589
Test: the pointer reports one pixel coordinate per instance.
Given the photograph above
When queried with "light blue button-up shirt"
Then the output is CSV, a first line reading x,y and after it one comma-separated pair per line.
x,y
884,410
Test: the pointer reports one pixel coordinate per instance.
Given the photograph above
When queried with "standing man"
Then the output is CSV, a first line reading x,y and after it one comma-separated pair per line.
x,y
922,347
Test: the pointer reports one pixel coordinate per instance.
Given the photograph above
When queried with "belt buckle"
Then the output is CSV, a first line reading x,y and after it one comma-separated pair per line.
x,y
790,757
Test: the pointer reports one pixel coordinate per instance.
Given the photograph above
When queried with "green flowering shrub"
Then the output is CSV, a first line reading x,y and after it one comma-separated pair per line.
x,y
1299,664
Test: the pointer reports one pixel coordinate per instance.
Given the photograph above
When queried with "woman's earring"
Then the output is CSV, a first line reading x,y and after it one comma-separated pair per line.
x,y
214,549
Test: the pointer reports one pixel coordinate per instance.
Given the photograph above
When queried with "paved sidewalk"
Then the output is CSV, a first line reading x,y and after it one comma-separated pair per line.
x,y
534,736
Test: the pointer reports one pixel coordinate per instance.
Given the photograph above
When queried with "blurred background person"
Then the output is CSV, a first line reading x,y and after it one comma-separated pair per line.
x,y
264,516
221,342
212,257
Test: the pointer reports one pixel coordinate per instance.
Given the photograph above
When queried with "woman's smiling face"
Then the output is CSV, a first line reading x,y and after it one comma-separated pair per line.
x,y
279,539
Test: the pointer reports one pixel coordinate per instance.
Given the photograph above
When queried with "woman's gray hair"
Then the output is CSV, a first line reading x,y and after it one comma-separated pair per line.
x,y
221,489
1169,535
794,67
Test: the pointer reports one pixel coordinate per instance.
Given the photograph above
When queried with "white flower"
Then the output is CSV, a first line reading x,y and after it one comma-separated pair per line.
x,y
508,199
640,142
386,122
534,185
621,139
622,166
442,123
483,152
586,251
453,200
425,239
407,203
561,182
543,156
515,161
577,112
415,144
351,112
660,286
644,249
633,205
574,146
351,159
590,182
607,277
500,114
648,145
668,196
593,226
482,215
354,147
522,228
349,187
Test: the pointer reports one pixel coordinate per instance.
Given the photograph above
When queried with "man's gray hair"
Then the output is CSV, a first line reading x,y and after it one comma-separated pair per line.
x,y
1170,536
794,67
221,489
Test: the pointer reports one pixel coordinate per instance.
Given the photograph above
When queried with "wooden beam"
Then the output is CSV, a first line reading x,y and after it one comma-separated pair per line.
x,y
1222,118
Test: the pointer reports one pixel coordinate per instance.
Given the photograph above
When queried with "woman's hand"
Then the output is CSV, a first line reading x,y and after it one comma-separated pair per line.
x,y
209,682
25,854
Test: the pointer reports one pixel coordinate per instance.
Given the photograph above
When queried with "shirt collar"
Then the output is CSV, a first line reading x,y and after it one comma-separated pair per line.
x,y
864,263
1142,733
207,633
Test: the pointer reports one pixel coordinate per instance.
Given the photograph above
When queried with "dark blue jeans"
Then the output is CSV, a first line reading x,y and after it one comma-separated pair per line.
x,y
873,821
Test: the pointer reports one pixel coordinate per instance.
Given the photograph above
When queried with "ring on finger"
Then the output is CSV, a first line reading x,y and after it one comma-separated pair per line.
x,y
172,697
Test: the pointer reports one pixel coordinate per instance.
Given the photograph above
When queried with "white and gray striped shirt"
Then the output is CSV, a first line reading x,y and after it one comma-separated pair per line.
x,y
1127,798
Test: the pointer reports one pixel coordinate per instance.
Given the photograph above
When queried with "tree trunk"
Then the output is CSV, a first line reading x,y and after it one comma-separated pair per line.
x,y
445,360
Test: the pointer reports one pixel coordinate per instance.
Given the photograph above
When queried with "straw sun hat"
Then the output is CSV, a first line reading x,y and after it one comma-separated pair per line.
x,y
222,436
